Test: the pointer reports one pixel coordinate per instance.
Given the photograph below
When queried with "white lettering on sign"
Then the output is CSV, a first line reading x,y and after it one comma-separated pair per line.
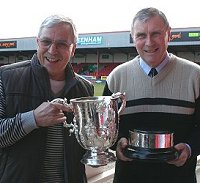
x,y
90,40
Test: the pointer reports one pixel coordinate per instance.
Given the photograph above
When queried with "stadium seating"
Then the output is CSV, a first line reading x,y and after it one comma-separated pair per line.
x,y
93,69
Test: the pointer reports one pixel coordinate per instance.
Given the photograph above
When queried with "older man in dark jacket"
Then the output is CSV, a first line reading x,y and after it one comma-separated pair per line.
x,y
34,145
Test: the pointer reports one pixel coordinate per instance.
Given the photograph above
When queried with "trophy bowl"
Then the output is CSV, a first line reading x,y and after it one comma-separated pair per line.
x,y
95,124
151,145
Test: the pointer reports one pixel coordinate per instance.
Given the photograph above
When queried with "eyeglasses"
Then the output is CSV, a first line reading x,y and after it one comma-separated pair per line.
x,y
62,45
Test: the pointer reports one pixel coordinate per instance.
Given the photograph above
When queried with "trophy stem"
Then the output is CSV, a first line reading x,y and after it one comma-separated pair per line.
x,y
98,158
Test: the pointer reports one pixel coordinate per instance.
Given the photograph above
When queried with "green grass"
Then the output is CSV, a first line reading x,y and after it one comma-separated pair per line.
x,y
98,89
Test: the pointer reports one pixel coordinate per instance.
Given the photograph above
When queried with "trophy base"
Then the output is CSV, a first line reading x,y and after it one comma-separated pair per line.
x,y
155,155
96,159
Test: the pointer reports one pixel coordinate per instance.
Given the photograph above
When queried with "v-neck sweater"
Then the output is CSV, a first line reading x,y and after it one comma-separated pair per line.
x,y
169,101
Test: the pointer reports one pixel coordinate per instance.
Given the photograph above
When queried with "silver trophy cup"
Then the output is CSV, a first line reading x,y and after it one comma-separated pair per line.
x,y
96,121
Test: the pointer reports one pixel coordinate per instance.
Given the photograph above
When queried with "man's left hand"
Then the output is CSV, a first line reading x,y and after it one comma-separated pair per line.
x,y
184,153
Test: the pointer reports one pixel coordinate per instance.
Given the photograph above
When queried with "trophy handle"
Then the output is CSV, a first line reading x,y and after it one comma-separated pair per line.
x,y
123,99
60,101
71,126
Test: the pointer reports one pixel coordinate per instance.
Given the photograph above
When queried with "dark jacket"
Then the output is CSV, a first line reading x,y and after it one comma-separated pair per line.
x,y
26,86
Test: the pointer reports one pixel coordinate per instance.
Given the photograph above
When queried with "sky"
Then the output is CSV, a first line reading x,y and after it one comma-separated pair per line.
x,y
22,18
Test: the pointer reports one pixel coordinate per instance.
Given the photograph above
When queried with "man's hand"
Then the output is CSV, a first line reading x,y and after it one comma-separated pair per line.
x,y
122,143
184,154
49,114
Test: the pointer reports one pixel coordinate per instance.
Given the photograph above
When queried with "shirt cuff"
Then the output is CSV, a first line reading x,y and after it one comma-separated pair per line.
x,y
28,121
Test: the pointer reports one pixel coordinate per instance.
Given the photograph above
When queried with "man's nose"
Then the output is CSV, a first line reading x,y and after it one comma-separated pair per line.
x,y
52,47
149,40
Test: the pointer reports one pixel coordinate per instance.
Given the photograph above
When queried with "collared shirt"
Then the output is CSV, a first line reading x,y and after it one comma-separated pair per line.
x,y
147,68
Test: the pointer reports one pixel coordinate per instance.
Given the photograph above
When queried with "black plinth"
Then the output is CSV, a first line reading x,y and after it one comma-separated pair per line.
x,y
156,155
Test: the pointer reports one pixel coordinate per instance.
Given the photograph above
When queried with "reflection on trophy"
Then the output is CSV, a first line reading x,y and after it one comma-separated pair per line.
x,y
96,122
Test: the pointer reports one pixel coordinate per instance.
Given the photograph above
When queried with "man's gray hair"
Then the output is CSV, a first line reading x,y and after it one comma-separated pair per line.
x,y
58,19
144,14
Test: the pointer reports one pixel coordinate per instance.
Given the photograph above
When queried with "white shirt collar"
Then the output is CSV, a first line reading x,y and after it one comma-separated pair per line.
x,y
147,68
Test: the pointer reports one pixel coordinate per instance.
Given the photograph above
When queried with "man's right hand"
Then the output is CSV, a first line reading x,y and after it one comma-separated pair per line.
x,y
122,143
49,114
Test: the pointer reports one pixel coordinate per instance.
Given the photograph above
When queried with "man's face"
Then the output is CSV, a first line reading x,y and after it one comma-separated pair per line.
x,y
151,40
55,48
